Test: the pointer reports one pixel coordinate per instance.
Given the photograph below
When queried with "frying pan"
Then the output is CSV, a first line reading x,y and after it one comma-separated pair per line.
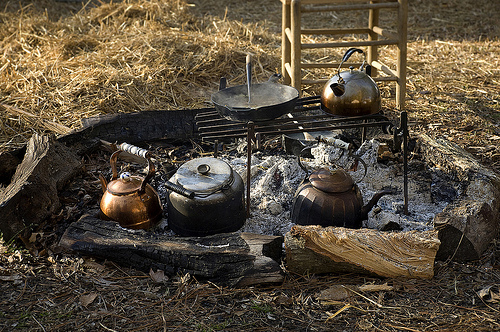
x,y
255,102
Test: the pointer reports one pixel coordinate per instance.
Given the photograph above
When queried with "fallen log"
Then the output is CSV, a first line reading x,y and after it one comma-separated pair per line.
x,y
226,259
314,249
468,225
32,195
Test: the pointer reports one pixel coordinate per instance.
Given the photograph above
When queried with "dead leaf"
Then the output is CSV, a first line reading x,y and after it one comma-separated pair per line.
x,y
282,299
334,293
34,237
94,267
490,294
158,276
87,299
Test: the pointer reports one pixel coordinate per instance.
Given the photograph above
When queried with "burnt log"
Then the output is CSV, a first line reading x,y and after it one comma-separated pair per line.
x,y
226,259
32,194
315,249
467,226
134,128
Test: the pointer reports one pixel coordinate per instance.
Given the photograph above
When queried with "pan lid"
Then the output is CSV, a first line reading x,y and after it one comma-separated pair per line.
x,y
204,175
337,181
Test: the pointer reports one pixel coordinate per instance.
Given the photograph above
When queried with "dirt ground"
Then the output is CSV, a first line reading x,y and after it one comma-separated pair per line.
x,y
453,86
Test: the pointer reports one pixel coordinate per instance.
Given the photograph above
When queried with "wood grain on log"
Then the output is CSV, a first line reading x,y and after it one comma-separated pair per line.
x,y
32,194
386,254
222,258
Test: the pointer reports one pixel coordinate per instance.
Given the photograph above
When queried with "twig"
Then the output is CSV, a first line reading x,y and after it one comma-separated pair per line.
x,y
403,328
347,306
43,328
370,300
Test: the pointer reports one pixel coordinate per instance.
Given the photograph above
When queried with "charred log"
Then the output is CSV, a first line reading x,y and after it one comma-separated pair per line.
x,y
225,259
468,225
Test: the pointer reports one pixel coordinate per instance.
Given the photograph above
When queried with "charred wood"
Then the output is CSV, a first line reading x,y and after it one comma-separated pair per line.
x,y
226,259
468,225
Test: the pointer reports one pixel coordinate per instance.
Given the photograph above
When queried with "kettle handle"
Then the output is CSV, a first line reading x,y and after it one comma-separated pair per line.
x,y
151,168
354,166
347,55
300,162
140,152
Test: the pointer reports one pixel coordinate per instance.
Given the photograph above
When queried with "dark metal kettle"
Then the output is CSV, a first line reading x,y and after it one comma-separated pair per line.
x,y
331,198
352,92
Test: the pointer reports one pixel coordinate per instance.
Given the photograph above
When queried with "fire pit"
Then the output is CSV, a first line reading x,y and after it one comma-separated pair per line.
x,y
449,194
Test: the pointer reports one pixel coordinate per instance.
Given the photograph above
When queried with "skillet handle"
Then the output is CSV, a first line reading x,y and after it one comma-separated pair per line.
x,y
249,75
222,83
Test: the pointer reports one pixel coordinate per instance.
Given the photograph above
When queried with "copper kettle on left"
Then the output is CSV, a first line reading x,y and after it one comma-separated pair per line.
x,y
130,199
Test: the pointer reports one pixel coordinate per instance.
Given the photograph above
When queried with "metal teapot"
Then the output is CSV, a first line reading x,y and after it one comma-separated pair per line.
x,y
130,200
331,198
352,92
218,202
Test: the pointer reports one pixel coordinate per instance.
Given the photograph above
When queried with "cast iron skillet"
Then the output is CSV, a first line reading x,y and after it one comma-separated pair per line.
x,y
267,100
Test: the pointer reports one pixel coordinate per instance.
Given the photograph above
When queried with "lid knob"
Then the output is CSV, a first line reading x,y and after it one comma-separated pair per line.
x,y
203,169
125,176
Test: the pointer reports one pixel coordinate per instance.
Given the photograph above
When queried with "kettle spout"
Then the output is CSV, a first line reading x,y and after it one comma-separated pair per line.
x,y
338,89
369,206
104,183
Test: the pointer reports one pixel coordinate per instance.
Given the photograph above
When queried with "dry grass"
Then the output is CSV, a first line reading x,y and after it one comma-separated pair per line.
x,y
64,61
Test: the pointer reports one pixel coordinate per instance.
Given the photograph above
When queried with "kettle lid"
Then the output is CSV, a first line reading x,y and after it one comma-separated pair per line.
x,y
204,175
125,184
336,181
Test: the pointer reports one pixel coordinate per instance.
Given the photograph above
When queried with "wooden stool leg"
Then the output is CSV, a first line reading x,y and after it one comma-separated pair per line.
x,y
285,42
372,52
402,53
295,44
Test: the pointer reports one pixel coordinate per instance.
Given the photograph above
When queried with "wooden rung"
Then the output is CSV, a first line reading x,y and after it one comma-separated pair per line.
x,y
325,2
384,33
288,69
350,44
334,31
328,65
376,79
288,34
380,66
385,78
314,9
323,81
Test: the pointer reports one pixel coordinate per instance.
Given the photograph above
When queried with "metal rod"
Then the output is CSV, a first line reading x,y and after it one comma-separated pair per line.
x,y
250,137
277,130
404,125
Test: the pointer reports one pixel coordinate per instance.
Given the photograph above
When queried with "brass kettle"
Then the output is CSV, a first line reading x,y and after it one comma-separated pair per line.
x,y
352,92
130,200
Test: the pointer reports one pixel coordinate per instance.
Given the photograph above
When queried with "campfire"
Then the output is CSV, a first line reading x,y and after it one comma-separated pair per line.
x,y
428,211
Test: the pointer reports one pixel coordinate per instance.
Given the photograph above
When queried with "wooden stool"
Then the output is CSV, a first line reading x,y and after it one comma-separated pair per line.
x,y
292,45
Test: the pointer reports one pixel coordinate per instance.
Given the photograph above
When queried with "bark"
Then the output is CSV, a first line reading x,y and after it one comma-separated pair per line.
x,y
225,259
32,194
